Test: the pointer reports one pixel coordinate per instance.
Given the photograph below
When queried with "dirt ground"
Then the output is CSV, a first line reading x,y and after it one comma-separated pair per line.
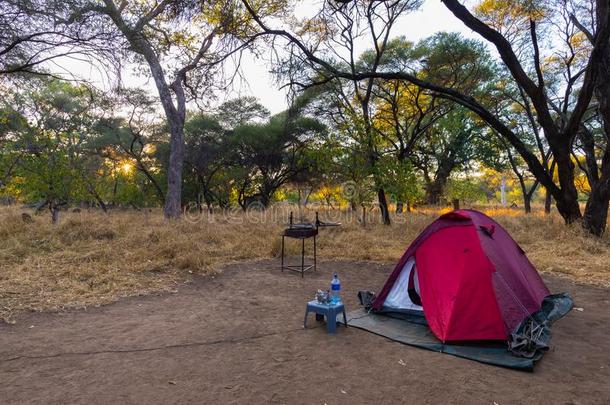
x,y
238,338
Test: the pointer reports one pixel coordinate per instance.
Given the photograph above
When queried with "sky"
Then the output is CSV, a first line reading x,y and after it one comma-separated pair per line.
x,y
257,81
431,18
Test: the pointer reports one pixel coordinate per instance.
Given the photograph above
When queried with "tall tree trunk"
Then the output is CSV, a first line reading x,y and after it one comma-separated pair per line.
x,y
100,201
174,113
399,207
95,194
436,188
241,195
54,215
434,191
266,193
54,207
363,215
596,210
548,201
383,205
308,194
199,200
527,195
115,188
205,194
527,198
560,141
152,180
567,204
173,197
527,203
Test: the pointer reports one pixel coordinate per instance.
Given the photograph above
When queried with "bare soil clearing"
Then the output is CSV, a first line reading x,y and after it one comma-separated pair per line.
x,y
238,338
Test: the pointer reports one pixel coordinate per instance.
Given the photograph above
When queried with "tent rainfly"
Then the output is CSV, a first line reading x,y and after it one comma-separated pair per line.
x,y
469,279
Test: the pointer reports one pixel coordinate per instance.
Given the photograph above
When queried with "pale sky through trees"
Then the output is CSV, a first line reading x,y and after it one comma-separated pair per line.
x,y
256,79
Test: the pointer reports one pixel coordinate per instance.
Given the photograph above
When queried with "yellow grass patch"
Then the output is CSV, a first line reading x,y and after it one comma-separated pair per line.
x,y
92,258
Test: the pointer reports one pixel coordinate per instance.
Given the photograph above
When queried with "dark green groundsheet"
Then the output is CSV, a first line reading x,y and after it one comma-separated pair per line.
x,y
413,330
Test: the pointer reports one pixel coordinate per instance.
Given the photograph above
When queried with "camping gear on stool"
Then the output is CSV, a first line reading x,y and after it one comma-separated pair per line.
x,y
323,297
302,231
331,311
468,280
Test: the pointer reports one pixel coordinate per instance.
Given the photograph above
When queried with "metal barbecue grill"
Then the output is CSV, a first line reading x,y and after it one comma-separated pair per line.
x,y
302,231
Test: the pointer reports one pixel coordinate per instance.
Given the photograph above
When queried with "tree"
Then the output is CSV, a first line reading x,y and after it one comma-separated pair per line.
x,y
180,56
50,146
147,30
448,145
12,125
132,139
408,118
559,116
241,111
464,189
496,154
207,153
271,154
33,34
401,114
400,181
338,28
598,174
513,106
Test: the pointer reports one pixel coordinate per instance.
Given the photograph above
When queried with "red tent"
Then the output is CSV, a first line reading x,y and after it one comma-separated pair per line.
x,y
468,276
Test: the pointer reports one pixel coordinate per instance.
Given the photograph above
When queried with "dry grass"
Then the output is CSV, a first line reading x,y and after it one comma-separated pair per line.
x,y
92,258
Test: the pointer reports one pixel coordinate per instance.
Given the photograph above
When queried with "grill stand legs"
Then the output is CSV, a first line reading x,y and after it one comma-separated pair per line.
x,y
302,268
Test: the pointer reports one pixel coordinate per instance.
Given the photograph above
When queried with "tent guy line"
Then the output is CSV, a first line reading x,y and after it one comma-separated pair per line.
x,y
155,348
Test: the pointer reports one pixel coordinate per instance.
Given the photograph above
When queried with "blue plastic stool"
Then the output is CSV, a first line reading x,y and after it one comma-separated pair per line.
x,y
330,311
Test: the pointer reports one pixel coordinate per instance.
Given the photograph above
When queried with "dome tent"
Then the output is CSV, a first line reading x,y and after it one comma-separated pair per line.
x,y
469,278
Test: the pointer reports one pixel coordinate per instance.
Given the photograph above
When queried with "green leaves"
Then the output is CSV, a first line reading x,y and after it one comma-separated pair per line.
x,y
240,111
451,60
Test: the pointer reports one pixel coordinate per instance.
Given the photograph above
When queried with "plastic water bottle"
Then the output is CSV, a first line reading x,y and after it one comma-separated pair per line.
x,y
335,288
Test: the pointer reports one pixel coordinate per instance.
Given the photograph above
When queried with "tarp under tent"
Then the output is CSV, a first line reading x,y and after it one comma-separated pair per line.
x,y
469,283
